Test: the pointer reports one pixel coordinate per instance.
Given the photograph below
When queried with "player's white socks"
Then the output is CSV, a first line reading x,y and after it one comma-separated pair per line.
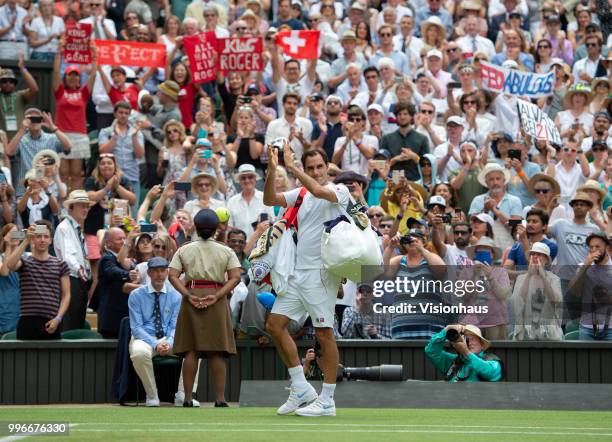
x,y
327,392
297,376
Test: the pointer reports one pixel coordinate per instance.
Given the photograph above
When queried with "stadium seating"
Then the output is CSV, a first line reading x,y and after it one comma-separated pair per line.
x,y
81,334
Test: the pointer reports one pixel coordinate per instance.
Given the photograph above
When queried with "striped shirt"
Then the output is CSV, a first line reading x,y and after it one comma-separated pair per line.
x,y
41,286
419,324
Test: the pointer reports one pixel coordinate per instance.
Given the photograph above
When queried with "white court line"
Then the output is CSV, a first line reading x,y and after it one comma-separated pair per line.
x,y
325,424
150,430
24,436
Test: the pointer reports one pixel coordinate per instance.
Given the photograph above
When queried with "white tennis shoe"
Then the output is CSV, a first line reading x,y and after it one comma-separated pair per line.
x,y
298,397
318,408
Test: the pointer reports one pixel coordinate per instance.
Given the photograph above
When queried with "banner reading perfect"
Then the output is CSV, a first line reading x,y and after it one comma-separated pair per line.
x,y
77,50
201,50
513,82
537,124
131,53
240,54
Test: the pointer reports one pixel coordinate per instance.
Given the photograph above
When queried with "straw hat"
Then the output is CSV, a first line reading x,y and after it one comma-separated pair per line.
x,y
597,81
78,197
584,197
543,177
475,331
540,247
577,89
211,177
490,168
170,88
593,185
434,20
246,169
484,241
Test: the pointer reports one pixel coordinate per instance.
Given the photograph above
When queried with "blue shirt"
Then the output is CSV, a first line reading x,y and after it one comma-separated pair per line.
x,y
423,14
124,150
517,252
400,60
525,59
510,205
141,303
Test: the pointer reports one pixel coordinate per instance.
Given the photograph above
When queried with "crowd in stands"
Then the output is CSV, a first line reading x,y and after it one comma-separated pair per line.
x,y
114,176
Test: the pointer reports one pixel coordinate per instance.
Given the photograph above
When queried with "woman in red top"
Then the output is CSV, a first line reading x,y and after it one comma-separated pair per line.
x,y
70,106
189,93
122,90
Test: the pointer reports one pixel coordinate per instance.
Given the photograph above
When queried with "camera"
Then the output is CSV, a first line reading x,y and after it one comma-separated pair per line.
x,y
452,335
446,218
388,373
278,144
514,154
246,100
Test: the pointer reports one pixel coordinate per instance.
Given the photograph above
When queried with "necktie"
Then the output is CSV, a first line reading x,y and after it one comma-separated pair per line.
x,y
157,320
404,44
474,47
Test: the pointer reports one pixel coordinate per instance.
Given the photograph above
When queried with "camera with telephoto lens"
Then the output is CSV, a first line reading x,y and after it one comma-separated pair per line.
x,y
452,335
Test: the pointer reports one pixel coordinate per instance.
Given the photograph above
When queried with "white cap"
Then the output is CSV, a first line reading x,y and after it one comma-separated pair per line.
x,y
333,97
455,119
436,199
540,247
434,53
556,61
510,64
377,107
483,217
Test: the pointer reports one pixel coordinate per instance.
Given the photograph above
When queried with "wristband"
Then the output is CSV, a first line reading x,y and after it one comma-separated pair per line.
x,y
58,318
522,174
399,217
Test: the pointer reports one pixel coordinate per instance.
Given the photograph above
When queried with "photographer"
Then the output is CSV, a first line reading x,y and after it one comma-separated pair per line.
x,y
361,321
471,363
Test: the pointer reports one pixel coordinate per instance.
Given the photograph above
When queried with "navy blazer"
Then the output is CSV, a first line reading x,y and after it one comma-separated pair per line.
x,y
113,302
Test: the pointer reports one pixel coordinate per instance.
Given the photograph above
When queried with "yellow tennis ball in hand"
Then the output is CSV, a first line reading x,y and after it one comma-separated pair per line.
x,y
223,214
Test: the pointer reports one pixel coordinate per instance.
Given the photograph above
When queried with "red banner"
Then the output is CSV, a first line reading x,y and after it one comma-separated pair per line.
x,y
77,50
240,54
201,50
131,53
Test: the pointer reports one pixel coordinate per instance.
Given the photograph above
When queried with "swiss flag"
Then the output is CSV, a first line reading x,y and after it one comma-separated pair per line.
x,y
299,44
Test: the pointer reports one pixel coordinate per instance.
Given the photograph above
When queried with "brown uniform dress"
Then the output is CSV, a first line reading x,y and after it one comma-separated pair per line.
x,y
207,329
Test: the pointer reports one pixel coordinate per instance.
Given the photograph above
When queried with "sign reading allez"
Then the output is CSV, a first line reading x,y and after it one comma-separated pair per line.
x,y
537,124
201,49
77,50
513,82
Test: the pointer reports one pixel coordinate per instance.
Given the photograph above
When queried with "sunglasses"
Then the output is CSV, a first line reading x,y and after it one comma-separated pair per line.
x,y
460,232
542,191
172,131
385,34
567,149
7,80
386,226
247,177
210,15
372,77
159,247
543,47
470,102
375,215
204,184
480,59
592,45
428,112
451,49
241,28
599,149
355,119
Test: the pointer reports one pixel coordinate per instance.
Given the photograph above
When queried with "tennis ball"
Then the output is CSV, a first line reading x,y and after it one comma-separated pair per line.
x,y
223,214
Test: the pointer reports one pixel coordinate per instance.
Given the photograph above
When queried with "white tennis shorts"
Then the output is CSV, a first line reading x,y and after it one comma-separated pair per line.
x,y
311,292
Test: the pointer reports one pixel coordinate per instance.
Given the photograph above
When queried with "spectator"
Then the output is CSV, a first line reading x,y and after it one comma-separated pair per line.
x,y
103,28
352,85
173,156
600,133
591,287
537,300
45,32
571,239
71,103
113,302
407,42
290,80
328,127
9,281
349,56
285,17
262,114
203,185
414,263
246,206
37,202
453,254
591,66
48,162
464,180
576,120
471,363
361,321
15,101
532,231
493,323
513,52
44,286
14,22
472,42
424,122
7,201
497,202
597,195
433,68
246,143
69,245
153,311
296,129
126,143
546,191
353,150
568,172
434,9
406,144
386,50
521,171
236,240
448,154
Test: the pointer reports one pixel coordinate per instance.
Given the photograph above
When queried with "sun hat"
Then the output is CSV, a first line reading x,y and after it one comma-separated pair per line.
x,y
593,185
490,168
577,89
540,247
377,107
246,169
473,330
434,53
433,20
76,197
510,64
170,88
484,241
582,196
210,176
543,177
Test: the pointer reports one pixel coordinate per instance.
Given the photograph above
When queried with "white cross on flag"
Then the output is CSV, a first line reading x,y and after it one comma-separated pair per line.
x,y
299,44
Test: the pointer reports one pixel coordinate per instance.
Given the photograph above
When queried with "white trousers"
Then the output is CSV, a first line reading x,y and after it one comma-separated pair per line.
x,y
142,355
